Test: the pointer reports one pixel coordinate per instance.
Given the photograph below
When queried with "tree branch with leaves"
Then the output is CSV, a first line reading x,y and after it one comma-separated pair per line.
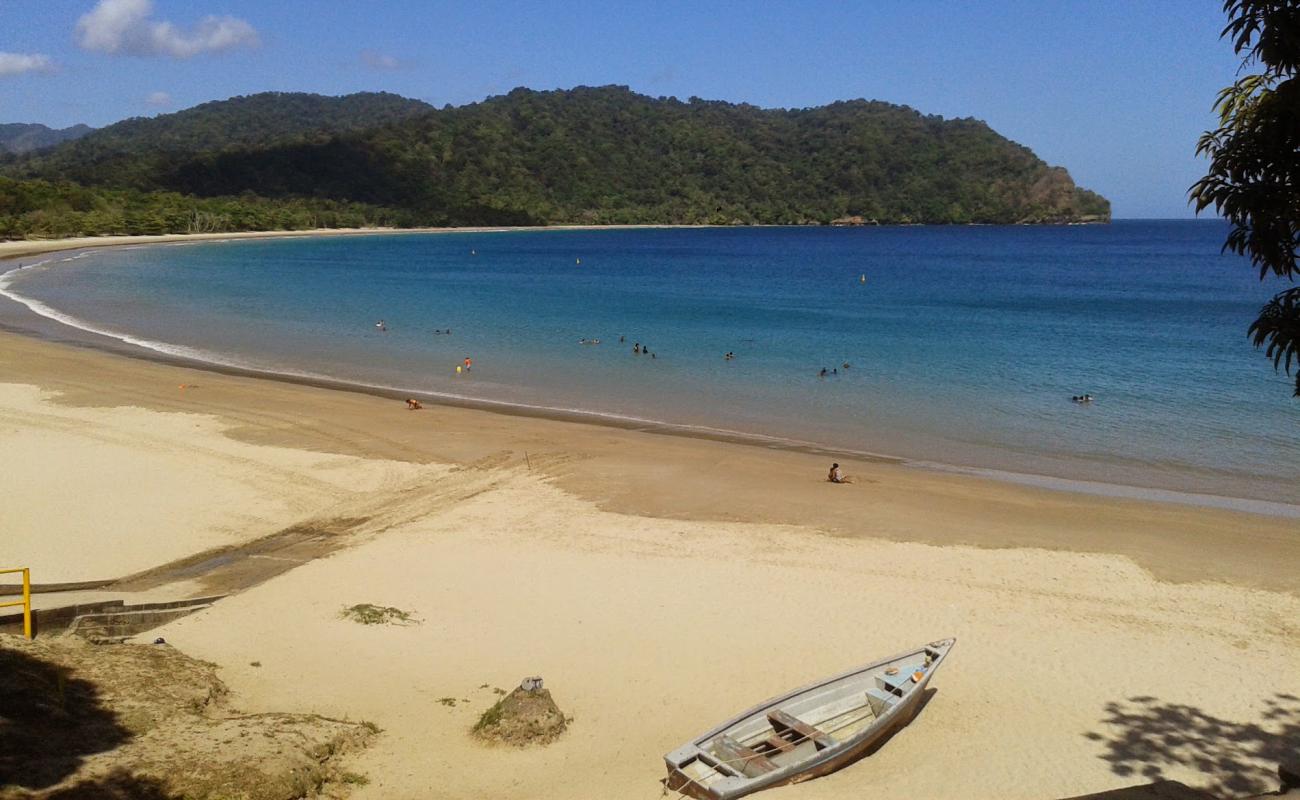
x,y
1254,176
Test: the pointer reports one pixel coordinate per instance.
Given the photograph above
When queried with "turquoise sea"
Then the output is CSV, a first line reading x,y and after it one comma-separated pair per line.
x,y
964,344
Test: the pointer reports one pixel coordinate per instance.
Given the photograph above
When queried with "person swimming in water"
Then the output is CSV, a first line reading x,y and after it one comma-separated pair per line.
x,y
380,326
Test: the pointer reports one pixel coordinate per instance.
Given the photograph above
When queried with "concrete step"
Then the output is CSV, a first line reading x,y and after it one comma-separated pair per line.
x,y
49,621
124,624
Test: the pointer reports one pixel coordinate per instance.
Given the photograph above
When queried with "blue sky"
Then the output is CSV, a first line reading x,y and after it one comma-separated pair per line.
x,y
1116,92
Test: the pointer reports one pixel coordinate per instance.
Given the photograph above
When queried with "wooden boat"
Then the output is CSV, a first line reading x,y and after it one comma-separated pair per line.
x,y
806,733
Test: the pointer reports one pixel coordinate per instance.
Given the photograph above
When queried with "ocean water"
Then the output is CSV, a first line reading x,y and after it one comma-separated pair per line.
x,y
964,344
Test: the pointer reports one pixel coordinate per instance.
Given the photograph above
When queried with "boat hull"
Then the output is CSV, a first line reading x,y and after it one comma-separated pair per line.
x,y
824,762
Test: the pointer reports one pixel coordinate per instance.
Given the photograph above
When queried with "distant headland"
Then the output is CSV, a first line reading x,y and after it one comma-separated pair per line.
x,y
588,155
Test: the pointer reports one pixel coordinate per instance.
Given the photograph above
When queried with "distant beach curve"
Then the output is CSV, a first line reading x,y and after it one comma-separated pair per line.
x,y
931,354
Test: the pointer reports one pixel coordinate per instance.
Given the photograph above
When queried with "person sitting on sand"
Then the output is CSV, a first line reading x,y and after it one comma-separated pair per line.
x,y
837,475
413,405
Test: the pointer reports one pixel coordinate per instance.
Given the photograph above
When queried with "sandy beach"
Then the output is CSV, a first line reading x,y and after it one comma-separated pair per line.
x,y
19,248
658,583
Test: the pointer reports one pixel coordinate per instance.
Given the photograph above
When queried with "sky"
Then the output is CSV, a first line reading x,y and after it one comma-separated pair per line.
x,y
1115,92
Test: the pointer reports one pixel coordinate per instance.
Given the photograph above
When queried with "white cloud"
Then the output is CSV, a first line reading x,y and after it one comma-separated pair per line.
x,y
18,63
377,60
124,27
158,99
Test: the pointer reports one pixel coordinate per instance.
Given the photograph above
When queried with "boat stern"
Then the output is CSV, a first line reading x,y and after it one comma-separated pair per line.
x,y
692,773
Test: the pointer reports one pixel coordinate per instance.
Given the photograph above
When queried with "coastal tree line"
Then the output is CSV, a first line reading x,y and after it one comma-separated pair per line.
x,y
593,155
36,209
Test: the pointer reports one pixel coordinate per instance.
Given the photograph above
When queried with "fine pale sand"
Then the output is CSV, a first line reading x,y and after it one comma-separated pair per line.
x,y
16,249
27,247
658,583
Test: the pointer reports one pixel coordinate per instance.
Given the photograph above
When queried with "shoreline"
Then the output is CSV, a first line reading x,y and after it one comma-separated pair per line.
x,y
22,248
121,344
639,472
612,561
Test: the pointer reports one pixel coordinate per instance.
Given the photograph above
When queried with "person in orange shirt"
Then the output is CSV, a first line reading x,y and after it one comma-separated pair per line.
x,y
469,362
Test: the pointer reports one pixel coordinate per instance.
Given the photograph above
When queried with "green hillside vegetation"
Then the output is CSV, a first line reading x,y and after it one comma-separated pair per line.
x,y
19,137
45,210
131,153
587,155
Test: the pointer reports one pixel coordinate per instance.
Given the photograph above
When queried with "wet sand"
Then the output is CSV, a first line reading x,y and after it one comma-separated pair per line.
x,y
637,472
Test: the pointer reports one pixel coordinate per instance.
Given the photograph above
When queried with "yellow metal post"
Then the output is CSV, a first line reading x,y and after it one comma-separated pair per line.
x,y
27,603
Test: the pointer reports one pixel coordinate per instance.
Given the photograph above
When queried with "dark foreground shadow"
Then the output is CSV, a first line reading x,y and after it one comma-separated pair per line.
x,y
117,785
49,722
1150,737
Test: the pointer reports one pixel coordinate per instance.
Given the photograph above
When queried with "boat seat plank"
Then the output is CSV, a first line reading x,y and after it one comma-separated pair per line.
x,y
880,702
781,722
776,742
744,759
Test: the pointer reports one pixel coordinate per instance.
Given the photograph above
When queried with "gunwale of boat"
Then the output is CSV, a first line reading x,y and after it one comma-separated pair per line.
x,y
762,754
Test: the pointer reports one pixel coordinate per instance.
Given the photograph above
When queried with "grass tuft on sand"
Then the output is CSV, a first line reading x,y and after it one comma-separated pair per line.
x,y
370,614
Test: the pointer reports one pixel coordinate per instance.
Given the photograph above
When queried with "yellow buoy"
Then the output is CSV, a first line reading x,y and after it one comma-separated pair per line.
x,y
458,369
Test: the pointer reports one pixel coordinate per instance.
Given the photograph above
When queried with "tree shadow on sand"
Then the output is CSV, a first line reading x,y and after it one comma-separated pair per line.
x,y
1151,737
49,722
117,785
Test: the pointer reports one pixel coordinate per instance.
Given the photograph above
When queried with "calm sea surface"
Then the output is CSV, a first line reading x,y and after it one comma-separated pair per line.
x,y
965,344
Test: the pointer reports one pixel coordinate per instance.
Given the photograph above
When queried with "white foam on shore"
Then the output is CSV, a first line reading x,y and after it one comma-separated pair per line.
x,y
209,358
49,312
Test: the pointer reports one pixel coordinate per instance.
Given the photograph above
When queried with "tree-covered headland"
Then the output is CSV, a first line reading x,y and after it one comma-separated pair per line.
x,y
602,155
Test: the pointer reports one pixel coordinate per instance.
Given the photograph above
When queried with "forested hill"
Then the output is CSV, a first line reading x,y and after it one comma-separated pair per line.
x,y
133,152
20,137
586,155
